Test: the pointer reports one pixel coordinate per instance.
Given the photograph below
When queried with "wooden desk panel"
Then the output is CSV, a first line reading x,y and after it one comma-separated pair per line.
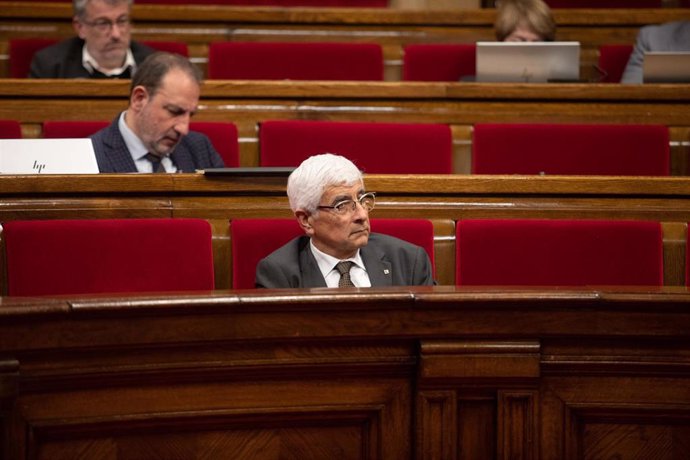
x,y
415,373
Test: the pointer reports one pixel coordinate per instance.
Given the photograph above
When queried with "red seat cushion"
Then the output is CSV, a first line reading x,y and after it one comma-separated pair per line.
x,y
295,61
376,148
21,52
223,136
439,62
612,61
10,129
558,252
53,129
56,257
589,149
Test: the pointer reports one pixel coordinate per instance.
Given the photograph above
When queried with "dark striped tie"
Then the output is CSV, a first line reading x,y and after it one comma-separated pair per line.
x,y
344,270
157,166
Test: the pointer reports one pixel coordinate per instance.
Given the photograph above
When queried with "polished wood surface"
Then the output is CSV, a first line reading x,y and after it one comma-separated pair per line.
x,y
198,25
460,105
417,373
443,199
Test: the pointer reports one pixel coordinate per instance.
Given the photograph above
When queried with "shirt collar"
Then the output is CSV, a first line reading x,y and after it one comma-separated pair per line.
x,y
327,262
134,145
91,65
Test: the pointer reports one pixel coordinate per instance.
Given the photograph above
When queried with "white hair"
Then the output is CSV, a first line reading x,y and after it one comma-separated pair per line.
x,y
307,183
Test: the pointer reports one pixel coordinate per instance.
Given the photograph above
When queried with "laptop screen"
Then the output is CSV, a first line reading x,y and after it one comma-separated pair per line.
x,y
666,67
47,156
528,62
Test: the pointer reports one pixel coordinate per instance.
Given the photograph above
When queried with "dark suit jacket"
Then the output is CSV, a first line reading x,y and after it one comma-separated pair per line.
x,y
672,36
63,59
389,262
194,151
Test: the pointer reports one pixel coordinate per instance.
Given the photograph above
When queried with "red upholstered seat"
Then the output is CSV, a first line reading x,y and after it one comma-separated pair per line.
x,y
377,148
589,149
558,252
223,136
10,129
612,61
254,239
168,46
295,61
21,52
54,257
439,62
604,3
62,129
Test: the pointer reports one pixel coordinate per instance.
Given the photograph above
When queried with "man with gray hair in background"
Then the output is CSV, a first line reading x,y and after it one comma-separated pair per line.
x,y
101,49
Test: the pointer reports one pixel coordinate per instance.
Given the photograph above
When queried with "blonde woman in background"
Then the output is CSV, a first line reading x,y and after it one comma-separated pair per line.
x,y
524,21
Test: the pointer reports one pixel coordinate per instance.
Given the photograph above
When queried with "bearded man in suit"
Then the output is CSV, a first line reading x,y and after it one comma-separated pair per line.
x,y
328,198
153,134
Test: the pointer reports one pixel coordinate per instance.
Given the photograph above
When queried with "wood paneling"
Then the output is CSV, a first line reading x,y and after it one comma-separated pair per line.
x,y
423,373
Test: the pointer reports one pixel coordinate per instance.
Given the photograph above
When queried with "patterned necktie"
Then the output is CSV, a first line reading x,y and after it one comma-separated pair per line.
x,y
344,270
157,166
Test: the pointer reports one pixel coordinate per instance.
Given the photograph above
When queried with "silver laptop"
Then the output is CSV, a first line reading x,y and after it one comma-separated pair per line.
x,y
530,62
666,67
47,156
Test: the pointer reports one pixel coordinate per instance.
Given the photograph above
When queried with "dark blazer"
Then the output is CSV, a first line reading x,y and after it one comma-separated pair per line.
x,y
63,59
194,151
672,36
389,262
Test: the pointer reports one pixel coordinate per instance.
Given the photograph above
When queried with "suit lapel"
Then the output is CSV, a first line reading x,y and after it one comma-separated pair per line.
x,y
118,153
311,274
183,158
378,268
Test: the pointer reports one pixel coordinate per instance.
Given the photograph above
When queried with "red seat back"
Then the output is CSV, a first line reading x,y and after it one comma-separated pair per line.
x,y
61,129
612,61
223,136
254,239
21,52
10,129
439,62
558,252
55,257
376,148
295,61
168,46
588,149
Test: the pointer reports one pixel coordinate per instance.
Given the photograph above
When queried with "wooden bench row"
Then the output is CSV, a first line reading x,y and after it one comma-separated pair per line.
x,y
392,28
460,105
442,199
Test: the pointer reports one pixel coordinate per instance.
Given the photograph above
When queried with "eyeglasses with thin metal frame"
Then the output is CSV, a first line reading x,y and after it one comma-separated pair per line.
x,y
367,201
106,25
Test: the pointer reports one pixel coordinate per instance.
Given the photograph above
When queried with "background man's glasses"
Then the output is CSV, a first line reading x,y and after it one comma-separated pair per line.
x,y
105,25
367,201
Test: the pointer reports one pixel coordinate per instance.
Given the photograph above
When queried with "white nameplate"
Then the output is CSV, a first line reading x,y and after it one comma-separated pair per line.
x,y
47,156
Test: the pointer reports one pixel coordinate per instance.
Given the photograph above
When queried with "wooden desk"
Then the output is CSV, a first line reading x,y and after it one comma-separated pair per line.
x,y
461,105
443,199
420,373
198,25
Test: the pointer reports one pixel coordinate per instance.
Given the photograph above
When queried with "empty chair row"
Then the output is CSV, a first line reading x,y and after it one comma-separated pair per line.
x,y
56,257
455,62
427,148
